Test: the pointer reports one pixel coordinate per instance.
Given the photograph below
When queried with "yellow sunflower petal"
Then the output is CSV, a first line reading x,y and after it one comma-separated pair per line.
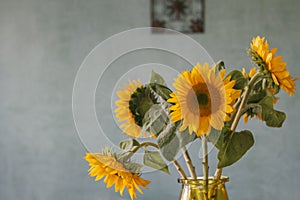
x,y
245,117
252,72
116,173
274,64
131,191
122,111
201,99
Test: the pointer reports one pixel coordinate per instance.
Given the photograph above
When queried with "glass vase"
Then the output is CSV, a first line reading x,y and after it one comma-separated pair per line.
x,y
195,189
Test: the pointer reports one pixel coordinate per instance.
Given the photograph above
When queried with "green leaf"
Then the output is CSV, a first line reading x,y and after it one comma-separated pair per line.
x,y
214,136
185,137
257,93
255,97
126,145
154,160
273,118
133,167
233,146
155,119
238,76
171,140
277,119
161,90
156,78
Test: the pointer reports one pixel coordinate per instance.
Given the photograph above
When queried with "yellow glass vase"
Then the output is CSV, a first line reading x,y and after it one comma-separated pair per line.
x,y
194,189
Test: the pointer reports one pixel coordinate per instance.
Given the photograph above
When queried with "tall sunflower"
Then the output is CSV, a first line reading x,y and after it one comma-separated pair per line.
x,y
134,101
202,99
115,173
274,65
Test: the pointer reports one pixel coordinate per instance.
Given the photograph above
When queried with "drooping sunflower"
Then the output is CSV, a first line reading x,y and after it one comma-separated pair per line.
x,y
202,99
274,65
134,101
115,173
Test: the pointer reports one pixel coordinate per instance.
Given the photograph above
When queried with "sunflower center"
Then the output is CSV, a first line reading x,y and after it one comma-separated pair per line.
x,y
199,100
202,99
140,102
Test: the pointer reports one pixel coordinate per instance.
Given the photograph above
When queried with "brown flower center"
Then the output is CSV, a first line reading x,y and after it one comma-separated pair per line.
x,y
204,101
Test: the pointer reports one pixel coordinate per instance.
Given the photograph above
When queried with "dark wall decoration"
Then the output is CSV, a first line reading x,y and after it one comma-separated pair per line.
x,y
186,16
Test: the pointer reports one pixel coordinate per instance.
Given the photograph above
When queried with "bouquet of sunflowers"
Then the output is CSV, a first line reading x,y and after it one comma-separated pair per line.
x,y
206,104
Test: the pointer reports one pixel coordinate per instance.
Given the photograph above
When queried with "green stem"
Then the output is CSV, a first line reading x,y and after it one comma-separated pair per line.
x,y
244,101
218,173
238,114
236,106
189,163
179,169
144,144
205,164
130,153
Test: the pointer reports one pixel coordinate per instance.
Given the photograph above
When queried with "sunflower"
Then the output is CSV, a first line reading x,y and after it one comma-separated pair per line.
x,y
115,173
134,101
274,65
202,99
251,114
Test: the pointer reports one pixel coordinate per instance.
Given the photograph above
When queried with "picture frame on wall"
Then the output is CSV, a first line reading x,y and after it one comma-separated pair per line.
x,y
186,16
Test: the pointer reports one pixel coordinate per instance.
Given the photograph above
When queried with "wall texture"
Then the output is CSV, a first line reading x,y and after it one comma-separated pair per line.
x,y
42,44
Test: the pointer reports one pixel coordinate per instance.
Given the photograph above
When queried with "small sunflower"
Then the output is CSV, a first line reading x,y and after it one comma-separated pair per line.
x,y
274,65
115,173
250,114
202,99
134,101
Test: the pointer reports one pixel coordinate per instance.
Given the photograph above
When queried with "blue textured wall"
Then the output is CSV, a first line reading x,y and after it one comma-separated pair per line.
x,y
42,44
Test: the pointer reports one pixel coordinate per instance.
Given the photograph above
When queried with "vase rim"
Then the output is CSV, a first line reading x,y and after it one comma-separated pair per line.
x,y
200,179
